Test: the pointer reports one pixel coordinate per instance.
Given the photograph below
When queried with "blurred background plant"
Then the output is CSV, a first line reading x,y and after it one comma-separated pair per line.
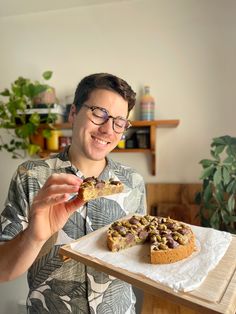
x,y
217,197
20,125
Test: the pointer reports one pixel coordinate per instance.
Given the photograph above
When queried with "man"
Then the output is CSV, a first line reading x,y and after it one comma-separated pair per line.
x,y
41,213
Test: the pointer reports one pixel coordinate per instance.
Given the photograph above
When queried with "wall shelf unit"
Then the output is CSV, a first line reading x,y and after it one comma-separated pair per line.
x,y
151,125
137,124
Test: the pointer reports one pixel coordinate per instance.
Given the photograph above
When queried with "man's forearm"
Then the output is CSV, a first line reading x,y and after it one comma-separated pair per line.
x,y
17,255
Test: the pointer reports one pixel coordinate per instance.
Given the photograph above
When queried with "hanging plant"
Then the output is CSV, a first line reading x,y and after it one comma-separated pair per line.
x,y
14,118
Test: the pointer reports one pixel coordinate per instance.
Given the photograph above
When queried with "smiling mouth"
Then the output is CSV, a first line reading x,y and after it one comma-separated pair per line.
x,y
100,141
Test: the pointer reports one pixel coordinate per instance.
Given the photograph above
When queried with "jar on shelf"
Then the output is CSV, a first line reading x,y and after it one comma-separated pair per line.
x,y
143,138
53,140
121,143
147,105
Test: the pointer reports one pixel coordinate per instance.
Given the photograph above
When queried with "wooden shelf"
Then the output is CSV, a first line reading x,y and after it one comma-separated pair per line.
x,y
155,123
136,123
152,125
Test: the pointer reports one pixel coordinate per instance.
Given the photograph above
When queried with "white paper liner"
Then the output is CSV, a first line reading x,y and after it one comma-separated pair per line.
x,y
185,275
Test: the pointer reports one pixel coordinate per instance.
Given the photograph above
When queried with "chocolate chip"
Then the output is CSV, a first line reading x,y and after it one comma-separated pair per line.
x,y
100,185
172,243
91,180
115,182
129,238
143,235
134,221
183,231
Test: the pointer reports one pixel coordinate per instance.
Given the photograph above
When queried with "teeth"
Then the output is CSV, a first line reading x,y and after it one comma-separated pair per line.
x,y
100,141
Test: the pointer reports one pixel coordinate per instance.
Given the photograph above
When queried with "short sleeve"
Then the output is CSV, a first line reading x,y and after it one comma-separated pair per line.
x,y
14,217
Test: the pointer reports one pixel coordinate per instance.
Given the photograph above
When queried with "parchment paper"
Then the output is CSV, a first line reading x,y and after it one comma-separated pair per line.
x,y
185,275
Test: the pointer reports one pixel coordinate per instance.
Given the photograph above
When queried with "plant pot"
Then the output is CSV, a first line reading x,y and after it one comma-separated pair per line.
x,y
38,139
48,97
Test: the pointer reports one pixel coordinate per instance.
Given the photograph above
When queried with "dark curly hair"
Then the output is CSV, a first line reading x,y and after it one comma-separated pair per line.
x,y
103,81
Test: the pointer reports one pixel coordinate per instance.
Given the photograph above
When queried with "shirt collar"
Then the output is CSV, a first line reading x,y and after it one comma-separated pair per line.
x,y
64,157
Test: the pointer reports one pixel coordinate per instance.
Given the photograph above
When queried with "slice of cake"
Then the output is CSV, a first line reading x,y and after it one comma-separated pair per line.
x,y
92,188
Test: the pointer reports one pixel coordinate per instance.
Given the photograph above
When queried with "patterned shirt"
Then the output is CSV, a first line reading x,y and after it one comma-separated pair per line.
x,y
71,287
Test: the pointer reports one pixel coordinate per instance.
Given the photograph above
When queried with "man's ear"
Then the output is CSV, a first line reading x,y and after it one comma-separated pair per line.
x,y
72,114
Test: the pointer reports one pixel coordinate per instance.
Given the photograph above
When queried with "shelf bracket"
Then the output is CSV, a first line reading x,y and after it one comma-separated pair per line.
x,y
153,162
153,148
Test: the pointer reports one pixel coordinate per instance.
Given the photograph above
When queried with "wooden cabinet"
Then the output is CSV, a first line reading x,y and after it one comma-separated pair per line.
x,y
150,126
176,200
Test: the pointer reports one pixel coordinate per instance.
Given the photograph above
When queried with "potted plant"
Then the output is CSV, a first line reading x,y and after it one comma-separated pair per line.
x,y
217,197
21,126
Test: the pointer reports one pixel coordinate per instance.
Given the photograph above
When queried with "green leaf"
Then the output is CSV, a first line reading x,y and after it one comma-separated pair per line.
x,y
219,149
24,131
51,118
6,92
234,188
207,163
17,90
219,194
213,154
46,133
229,188
231,203
225,216
33,149
21,105
232,218
38,89
29,90
207,172
215,220
229,140
231,150
35,119
47,75
217,176
207,194
212,207
229,160
226,175
219,140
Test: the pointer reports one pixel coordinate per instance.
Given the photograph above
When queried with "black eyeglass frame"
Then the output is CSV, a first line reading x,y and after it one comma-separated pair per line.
x,y
92,108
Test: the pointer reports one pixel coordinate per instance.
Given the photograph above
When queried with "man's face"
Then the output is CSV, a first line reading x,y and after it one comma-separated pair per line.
x,y
96,141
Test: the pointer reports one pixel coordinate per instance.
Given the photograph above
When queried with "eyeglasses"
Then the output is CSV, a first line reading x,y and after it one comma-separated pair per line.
x,y
100,116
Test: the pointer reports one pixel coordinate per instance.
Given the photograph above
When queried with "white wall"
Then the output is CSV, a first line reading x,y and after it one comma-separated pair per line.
x,y
185,50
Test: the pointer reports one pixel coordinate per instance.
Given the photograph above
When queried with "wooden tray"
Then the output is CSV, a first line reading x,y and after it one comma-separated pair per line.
x,y
217,294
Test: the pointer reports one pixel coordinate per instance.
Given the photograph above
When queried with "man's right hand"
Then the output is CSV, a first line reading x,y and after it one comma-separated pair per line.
x,y
51,207
48,213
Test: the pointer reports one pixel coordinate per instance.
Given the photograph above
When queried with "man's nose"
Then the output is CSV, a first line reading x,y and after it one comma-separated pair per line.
x,y
107,127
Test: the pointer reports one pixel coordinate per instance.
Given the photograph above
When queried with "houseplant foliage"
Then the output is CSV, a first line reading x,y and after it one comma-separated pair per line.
x,y
217,197
19,125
